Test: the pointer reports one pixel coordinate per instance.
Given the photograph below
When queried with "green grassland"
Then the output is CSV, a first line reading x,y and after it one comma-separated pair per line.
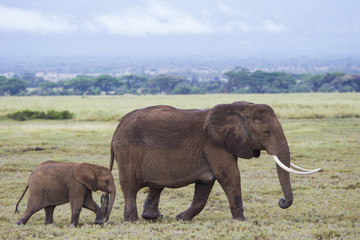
x,y
323,130
105,108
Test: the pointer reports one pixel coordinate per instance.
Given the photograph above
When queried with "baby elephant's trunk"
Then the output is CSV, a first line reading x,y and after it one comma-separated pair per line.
x,y
107,204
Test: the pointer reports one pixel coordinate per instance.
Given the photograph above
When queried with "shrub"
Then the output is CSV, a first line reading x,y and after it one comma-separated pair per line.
x,y
50,114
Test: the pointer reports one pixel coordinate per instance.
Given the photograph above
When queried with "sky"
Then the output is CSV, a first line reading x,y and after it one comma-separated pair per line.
x,y
175,28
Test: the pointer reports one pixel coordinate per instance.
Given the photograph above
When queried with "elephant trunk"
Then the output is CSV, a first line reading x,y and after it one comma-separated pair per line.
x,y
111,204
283,153
284,178
107,203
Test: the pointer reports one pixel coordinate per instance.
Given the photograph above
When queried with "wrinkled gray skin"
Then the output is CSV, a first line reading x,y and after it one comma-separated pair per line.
x,y
162,146
54,183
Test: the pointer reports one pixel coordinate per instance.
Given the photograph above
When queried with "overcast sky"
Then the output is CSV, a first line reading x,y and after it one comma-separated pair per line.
x,y
180,28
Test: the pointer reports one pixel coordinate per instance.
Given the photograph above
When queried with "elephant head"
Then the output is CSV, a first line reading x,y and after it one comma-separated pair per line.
x,y
244,129
97,178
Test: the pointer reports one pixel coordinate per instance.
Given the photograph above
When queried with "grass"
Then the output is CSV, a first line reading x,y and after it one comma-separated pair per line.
x,y
112,108
326,205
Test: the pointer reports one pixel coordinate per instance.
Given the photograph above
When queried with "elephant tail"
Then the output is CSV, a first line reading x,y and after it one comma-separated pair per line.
x,y
112,157
17,205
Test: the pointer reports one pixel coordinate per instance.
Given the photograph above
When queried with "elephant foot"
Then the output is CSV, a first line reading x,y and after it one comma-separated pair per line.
x,y
149,214
241,218
49,221
99,222
183,217
19,222
151,217
131,219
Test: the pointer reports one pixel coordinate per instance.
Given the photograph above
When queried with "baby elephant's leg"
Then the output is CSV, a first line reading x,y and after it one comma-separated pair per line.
x,y
49,211
33,205
76,205
90,204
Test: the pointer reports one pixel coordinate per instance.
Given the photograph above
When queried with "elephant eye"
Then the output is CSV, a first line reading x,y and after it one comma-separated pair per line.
x,y
267,132
107,182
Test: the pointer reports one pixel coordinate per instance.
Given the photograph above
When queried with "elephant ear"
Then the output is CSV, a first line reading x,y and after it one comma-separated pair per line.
x,y
85,173
226,127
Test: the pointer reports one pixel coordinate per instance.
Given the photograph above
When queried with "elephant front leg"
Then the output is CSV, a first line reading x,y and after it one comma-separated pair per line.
x,y
76,205
231,185
227,173
75,214
202,191
77,196
235,200
151,205
90,204
49,212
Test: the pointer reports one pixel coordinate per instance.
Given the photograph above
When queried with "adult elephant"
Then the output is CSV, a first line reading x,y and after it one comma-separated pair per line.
x,y
162,146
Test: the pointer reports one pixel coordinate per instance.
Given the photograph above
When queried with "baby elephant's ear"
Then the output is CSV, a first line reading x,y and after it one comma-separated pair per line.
x,y
85,173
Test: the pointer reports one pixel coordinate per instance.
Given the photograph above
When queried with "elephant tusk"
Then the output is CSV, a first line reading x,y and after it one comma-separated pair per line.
x,y
278,162
303,169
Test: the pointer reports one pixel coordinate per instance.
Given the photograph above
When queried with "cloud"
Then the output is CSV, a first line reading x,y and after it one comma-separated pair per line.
x,y
270,26
262,26
151,18
225,8
161,20
16,19
154,20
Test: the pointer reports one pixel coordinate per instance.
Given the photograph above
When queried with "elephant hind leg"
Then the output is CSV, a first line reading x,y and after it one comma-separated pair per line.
x,y
202,191
34,204
49,212
130,187
130,208
151,205
27,215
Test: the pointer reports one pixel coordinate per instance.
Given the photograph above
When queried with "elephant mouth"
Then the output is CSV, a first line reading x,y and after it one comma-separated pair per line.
x,y
296,169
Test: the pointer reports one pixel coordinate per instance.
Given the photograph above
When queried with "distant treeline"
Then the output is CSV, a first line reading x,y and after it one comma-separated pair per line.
x,y
239,80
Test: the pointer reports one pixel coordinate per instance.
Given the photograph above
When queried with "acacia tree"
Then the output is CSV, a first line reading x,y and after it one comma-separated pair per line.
x,y
31,79
12,86
237,78
351,80
279,82
47,88
166,83
80,84
319,81
106,83
135,83
258,81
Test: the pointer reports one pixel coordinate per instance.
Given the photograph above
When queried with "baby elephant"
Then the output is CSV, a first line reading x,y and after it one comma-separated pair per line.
x,y
54,183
